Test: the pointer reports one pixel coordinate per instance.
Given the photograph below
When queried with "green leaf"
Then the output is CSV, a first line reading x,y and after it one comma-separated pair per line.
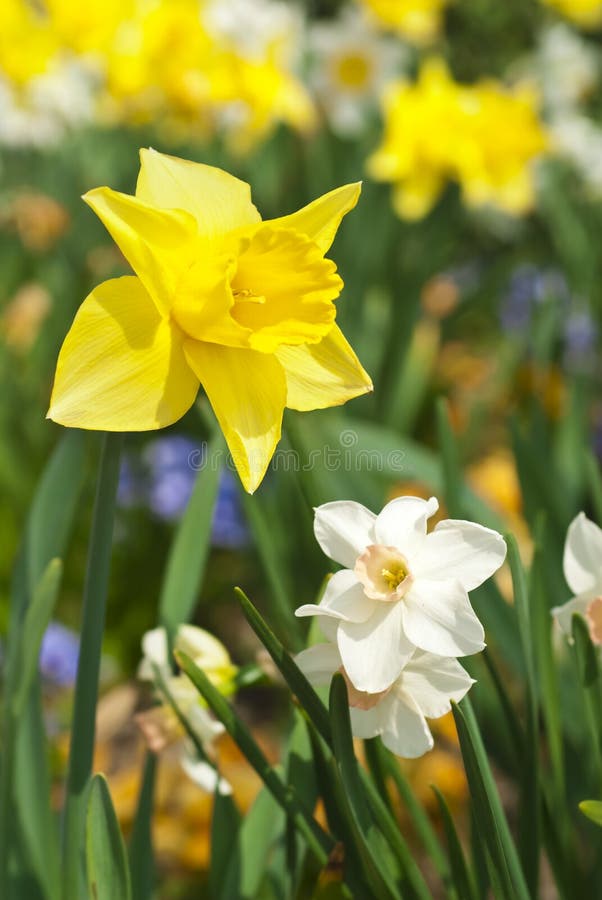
x,y
190,547
225,824
294,677
86,687
36,621
317,839
463,883
141,857
588,670
530,812
108,876
253,843
366,836
489,814
452,475
272,560
593,810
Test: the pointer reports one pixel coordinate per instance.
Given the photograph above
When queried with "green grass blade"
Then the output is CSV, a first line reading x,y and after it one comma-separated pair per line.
x,y
86,687
452,475
191,544
108,876
294,677
530,812
225,824
317,839
366,835
487,806
588,669
462,880
141,856
593,810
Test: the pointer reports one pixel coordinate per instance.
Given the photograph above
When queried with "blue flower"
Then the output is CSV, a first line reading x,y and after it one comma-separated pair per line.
x,y
59,653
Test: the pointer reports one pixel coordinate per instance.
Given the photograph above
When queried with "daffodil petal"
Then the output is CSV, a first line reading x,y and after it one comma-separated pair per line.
x,y
582,559
433,681
247,391
438,617
158,244
219,202
375,651
462,550
320,220
319,663
121,366
324,374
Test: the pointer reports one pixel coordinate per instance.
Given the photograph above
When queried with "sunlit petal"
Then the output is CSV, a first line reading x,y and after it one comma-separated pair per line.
x,y
324,374
247,391
121,366
319,220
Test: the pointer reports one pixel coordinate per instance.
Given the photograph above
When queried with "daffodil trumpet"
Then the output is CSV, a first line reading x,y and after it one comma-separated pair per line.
x,y
243,307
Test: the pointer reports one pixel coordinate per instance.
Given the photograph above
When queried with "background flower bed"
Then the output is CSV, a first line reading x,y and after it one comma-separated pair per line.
x,y
500,315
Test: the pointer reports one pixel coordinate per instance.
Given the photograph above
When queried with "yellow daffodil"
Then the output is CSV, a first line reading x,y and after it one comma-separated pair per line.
x,y
220,298
417,20
483,136
585,13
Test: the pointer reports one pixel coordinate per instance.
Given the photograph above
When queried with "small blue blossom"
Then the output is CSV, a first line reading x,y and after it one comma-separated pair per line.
x,y
528,288
59,654
580,341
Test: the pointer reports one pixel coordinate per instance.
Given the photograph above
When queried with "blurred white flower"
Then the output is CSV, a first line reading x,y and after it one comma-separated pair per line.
x,y
582,564
253,28
402,588
579,139
423,689
566,65
41,111
352,62
161,726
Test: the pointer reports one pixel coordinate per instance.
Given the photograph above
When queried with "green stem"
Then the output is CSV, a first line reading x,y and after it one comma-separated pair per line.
x,y
86,687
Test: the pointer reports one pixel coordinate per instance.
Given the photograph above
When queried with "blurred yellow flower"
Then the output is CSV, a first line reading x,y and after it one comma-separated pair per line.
x,y
24,315
483,136
419,21
220,298
586,13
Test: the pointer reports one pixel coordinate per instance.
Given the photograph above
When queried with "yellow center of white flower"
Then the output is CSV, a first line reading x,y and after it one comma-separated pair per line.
x,y
384,573
353,71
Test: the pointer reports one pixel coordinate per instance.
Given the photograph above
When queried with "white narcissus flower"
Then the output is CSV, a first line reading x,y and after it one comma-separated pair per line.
x,y
160,725
352,62
582,565
402,588
423,689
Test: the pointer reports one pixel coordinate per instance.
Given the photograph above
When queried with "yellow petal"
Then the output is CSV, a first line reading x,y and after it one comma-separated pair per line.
x,y
284,290
324,374
158,244
247,391
219,202
121,366
319,221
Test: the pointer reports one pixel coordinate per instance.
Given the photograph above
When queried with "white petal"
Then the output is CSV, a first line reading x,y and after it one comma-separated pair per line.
x,y
402,523
205,649
433,681
203,774
329,627
319,663
343,530
564,614
155,653
438,617
397,718
343,598
374,652
465,551
583,555
206,728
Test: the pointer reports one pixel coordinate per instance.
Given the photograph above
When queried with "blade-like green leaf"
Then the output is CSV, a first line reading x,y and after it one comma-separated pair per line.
x,y
108,876
452,476
506,868
253,843
141,857
593,810
588,670
86,687
35,623
190,547
317,839
225,824
367,838
530,812
463,883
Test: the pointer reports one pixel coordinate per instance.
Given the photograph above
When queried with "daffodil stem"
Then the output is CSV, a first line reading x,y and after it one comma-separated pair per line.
x,y
86,687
